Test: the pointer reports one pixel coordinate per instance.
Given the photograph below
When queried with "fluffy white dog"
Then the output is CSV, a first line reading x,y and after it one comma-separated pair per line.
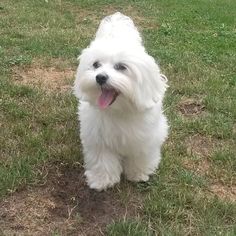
x,y
120,89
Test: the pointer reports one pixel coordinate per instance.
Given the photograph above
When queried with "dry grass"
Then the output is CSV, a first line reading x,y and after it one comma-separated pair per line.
x,y
200,167
227,193
50,79
202,146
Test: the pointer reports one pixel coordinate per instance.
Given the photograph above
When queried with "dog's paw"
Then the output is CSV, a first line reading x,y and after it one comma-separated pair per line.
x,y
138,177
100,181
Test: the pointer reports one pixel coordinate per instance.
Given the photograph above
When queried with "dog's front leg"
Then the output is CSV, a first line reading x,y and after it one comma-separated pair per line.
x,y
103,168
138,168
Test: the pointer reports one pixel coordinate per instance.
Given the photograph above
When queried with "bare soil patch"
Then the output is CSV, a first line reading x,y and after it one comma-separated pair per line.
x,y
224,192
202,146
64,205
191,107
50,79
200,167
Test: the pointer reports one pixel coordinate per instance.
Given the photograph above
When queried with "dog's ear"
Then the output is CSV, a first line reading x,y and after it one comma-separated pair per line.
x,y
76,88
151,83
82,53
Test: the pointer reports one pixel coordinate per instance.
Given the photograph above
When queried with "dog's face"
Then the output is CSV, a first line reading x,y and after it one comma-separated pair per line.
x,y
115,74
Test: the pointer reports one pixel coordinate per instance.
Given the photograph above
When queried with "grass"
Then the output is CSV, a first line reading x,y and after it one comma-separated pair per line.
x,y
194,43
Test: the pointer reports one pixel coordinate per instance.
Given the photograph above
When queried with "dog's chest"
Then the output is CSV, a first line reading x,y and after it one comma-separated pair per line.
x,y
124,135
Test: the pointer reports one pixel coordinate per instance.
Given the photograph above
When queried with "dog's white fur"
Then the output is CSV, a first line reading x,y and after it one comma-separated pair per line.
x,y
126,136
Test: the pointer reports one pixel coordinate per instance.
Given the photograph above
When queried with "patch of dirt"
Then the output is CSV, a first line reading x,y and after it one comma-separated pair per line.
x,y
224,192
202,146
47,78
200,167
64,204
191,107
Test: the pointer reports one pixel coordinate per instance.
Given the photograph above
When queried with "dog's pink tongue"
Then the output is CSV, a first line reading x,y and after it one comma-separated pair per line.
x,y
106,98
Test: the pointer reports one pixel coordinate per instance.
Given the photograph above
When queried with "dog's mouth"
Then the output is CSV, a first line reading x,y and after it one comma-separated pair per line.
x,y
107,97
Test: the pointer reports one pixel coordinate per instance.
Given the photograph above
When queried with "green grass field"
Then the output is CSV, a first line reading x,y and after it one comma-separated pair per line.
x,y
42,188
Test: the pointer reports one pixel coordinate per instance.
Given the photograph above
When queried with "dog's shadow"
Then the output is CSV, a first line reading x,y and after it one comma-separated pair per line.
x,y
73,198
63,203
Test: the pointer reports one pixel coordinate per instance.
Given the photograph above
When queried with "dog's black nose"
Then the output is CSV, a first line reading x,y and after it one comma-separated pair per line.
x,y
101,78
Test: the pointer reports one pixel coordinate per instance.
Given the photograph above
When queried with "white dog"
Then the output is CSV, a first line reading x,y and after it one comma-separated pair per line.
x,y
120,90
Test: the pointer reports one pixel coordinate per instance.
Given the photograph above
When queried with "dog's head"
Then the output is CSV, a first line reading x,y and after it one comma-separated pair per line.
x,y
117,74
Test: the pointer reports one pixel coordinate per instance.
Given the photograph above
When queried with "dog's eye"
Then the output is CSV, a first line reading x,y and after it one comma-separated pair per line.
x,y
96,64
120,66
